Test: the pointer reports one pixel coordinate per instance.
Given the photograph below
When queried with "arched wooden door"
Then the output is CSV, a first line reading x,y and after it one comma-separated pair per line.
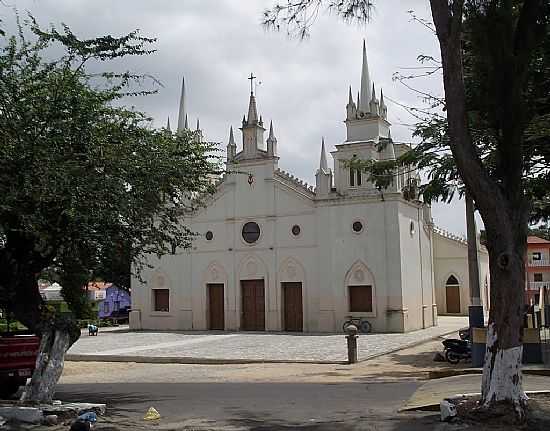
x,y
452,293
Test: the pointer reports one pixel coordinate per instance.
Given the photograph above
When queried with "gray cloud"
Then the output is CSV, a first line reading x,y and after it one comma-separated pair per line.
x,y
217,43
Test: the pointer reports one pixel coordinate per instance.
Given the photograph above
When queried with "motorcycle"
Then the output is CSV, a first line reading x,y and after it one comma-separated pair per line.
x,y
455,350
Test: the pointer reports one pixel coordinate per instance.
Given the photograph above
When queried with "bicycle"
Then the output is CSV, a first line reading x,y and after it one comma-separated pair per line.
x,y
363,325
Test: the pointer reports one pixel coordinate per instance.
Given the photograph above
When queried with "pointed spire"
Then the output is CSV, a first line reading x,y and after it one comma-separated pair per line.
x,y
186,124
271,142
231,138
358,101
261,121
373,97
351,109
252,111
231,146
365,82
182,111
383,107
168,124
271,134
323,165
198,124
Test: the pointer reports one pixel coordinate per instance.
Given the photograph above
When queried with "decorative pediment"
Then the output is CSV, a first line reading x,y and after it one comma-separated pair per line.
x,y
291,270
359,274
215,273
159,280
252,267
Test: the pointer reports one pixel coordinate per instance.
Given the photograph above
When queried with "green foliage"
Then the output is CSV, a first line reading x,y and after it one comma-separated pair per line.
x,y
484,76
83,179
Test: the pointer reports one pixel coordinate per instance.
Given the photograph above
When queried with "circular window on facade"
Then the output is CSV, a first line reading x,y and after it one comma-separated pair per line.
x,y
296,230
357,226
411,227
209,235
251,232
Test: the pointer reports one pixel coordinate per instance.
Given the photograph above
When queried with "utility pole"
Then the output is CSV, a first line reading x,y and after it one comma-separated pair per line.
x,y
475,310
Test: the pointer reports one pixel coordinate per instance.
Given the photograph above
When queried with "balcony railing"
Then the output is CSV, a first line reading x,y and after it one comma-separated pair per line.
x,y
541,262
536,285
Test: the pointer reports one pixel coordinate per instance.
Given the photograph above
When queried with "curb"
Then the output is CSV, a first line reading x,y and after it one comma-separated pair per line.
x,y
440,374
189,361
436,407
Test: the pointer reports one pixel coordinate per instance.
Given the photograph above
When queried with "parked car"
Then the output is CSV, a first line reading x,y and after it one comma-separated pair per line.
x,y
18,351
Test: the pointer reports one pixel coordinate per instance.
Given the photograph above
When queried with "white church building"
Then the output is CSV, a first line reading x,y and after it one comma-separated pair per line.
x,y
275,254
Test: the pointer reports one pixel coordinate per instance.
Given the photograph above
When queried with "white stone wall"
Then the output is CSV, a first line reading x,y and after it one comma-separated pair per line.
x,y
451,258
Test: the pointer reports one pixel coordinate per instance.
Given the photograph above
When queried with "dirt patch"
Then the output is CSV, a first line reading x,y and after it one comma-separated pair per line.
x,y
502,416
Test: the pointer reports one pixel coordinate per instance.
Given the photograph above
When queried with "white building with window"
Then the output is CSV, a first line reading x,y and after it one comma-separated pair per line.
x,y
452,285
278,255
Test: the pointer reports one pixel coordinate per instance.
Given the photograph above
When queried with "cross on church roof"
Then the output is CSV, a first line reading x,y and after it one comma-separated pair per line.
x,y
252,78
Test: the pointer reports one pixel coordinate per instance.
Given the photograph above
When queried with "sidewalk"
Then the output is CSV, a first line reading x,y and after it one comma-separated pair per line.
x,y
246,347
430,394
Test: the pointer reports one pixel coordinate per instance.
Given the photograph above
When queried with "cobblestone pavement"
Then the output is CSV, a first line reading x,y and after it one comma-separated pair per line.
x,y
254,346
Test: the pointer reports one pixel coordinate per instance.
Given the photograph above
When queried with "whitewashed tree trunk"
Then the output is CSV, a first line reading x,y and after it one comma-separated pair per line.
x,y
49,366
502,377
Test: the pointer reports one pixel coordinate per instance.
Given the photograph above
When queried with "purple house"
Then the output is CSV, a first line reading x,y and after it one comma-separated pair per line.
x,y
116,303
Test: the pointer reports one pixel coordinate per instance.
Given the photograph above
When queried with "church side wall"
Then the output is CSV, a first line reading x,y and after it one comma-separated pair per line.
x,y
348,258
416,268
451,258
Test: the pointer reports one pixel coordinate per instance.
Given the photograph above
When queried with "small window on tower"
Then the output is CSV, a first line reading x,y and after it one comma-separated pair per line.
x,y
358,176
351,177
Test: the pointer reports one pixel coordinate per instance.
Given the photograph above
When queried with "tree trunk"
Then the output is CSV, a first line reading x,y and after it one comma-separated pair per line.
x,y
503,208
20,295
502,376
49,365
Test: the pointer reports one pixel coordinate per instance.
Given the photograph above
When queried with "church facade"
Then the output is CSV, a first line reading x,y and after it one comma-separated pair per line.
x,y
275,254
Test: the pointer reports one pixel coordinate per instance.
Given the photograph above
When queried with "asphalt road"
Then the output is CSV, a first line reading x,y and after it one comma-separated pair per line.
x,y
252,406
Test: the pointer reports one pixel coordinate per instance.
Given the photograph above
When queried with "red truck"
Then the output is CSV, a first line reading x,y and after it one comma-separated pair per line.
x,y
18,353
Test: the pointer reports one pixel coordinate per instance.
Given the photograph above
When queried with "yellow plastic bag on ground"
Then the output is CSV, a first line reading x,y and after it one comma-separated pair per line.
x,y
152,414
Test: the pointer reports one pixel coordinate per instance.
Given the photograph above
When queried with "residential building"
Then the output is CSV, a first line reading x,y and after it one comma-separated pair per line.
x,y
537,270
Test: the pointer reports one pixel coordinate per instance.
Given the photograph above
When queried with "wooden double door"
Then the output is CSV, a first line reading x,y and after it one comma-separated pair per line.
x,y
293,318
253,305
216,312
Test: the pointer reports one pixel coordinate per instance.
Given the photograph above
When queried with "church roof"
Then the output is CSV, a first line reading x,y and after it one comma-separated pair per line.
x,y
295,181
449,235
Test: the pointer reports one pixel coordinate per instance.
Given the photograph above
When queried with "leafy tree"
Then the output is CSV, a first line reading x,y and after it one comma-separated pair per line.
x,y
83,177
492,139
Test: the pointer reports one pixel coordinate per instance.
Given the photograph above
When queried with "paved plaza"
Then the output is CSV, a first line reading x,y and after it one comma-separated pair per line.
x,y
249,346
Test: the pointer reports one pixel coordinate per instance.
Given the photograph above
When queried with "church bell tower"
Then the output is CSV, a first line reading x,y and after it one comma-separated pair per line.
x,y
252,127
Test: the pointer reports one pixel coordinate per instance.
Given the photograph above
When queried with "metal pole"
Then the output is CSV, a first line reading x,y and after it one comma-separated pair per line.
x,y
475,310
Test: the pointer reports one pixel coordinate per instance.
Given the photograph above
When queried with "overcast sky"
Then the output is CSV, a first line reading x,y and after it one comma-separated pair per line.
x,y
216,44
